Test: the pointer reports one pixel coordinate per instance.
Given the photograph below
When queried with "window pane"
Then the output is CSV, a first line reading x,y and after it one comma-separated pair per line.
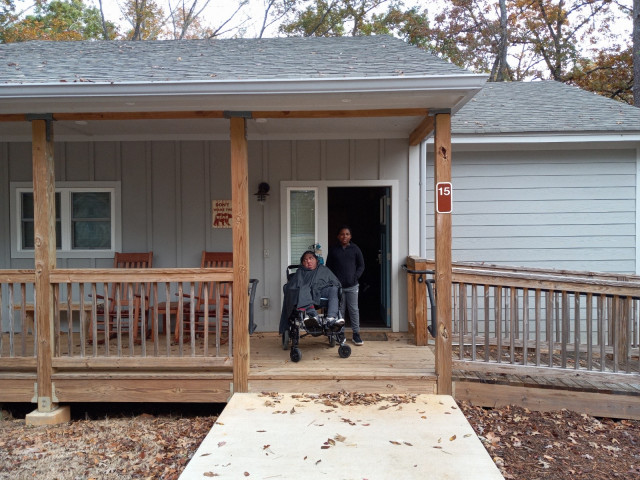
x,y
27,221
91,220
302,218
28,235
94,205
92,235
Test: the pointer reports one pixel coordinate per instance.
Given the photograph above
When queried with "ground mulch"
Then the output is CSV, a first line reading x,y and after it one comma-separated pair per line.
x,y
523,444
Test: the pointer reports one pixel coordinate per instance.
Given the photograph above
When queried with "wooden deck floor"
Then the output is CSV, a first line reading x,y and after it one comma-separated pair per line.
x,y
386,363
393,365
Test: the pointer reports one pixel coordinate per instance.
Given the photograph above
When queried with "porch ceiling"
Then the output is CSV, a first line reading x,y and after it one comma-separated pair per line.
x,y
434,97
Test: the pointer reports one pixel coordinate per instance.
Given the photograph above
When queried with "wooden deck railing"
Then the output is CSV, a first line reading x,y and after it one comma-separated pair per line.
x,y
143,335
16,290
545,318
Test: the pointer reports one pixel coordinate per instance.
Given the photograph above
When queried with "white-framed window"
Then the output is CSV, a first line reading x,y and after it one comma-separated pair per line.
x,y
302,221
87,219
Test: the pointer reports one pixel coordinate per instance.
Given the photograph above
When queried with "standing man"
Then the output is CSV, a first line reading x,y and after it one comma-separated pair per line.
x,y
347,263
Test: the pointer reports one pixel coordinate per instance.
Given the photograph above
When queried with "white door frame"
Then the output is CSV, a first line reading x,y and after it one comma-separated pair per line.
x,y
323,235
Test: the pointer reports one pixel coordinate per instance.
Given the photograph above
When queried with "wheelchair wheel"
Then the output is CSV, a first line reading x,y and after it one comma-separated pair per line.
x,y
296,354
344,351
332,341
285,339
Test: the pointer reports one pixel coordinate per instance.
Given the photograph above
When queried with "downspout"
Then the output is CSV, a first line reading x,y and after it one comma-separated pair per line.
x,y
423,200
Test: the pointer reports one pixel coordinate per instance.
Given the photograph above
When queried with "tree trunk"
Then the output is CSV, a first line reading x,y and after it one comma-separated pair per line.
x,y
636,53
502,46
105,31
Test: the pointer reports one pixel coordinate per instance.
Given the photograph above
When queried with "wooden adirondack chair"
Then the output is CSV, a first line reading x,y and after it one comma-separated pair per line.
x,y
209,260
126,295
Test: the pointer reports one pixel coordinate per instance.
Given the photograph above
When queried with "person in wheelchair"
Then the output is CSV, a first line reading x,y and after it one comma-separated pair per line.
x,y
313,282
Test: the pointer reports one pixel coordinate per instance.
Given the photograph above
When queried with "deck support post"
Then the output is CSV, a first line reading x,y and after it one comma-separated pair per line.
x,y
442,173
45,255
240,232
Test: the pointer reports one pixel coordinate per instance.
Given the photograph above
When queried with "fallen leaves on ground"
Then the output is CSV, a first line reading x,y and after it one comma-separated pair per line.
x,y
557,445
524,444
144,446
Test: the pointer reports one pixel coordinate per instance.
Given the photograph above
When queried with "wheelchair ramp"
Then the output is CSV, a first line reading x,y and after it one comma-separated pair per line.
x,y
363,436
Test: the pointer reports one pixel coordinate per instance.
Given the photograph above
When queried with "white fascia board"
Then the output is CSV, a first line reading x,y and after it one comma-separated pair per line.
x,y
506,139
467,82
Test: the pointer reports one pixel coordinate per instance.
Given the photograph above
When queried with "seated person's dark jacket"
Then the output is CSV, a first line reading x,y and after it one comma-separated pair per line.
x,y
304,289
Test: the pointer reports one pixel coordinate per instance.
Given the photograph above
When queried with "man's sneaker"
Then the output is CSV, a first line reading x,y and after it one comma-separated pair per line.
x,y
356,338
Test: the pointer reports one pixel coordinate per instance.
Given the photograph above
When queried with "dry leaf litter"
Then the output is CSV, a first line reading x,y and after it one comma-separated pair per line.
x,y
524,444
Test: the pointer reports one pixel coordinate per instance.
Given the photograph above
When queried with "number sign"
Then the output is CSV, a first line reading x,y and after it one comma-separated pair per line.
x,y
443,197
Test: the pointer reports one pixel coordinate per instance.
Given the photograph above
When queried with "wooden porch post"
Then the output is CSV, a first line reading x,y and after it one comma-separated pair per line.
x,y
45,255
442,166
240,230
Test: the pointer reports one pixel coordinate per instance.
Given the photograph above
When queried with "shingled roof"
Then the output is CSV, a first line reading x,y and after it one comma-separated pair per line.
x,y
41,62
542,107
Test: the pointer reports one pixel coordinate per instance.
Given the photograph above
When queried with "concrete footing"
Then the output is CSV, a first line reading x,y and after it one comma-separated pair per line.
x,y
61,414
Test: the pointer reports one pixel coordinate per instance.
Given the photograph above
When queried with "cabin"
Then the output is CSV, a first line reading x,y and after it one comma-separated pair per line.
x,y
124,163
139,147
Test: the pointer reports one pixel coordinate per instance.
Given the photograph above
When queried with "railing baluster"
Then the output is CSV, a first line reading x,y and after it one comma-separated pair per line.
x,y
487,312
513,311
525,325
23,323
155,327
219,314
474,319
615,311
498,312
628,338
589,331
11,320
129,292
230,321
83,339
565,328
549,296
167,316
181,318
602,338
576,329
2,321
143,319
56,321
205,293
462,294
69,318
559,329
192,318
538,307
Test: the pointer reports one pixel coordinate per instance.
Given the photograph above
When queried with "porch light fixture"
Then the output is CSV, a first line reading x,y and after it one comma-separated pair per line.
x,y
263,192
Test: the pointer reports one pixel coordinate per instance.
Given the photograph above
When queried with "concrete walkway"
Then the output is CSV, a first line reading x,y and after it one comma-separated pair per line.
x,y
293,436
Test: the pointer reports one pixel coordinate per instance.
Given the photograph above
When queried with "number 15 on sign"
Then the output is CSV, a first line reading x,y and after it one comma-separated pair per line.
x,y
443,197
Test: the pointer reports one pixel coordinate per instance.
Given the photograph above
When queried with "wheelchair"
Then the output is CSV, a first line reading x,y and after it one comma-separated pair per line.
x,y
298,328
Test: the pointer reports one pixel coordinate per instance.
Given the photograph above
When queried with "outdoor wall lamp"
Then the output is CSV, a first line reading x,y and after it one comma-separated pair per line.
x,y
263,192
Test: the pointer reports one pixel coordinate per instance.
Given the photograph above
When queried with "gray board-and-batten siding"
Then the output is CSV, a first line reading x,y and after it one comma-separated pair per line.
x,y
564,209
167,188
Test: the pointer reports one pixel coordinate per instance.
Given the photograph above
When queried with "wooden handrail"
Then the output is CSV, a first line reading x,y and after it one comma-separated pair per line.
x,y
17,276
545,279
142,275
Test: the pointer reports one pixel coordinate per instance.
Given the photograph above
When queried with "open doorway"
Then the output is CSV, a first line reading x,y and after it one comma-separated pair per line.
x,y
367,212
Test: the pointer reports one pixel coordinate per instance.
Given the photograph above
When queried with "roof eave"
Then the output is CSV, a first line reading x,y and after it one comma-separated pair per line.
x,y
66,94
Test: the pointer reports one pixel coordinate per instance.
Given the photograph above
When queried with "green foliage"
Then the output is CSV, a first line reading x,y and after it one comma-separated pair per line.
x,y
325,18
58,20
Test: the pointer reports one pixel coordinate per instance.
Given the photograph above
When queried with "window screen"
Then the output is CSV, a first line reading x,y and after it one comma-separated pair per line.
x,y
302,221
